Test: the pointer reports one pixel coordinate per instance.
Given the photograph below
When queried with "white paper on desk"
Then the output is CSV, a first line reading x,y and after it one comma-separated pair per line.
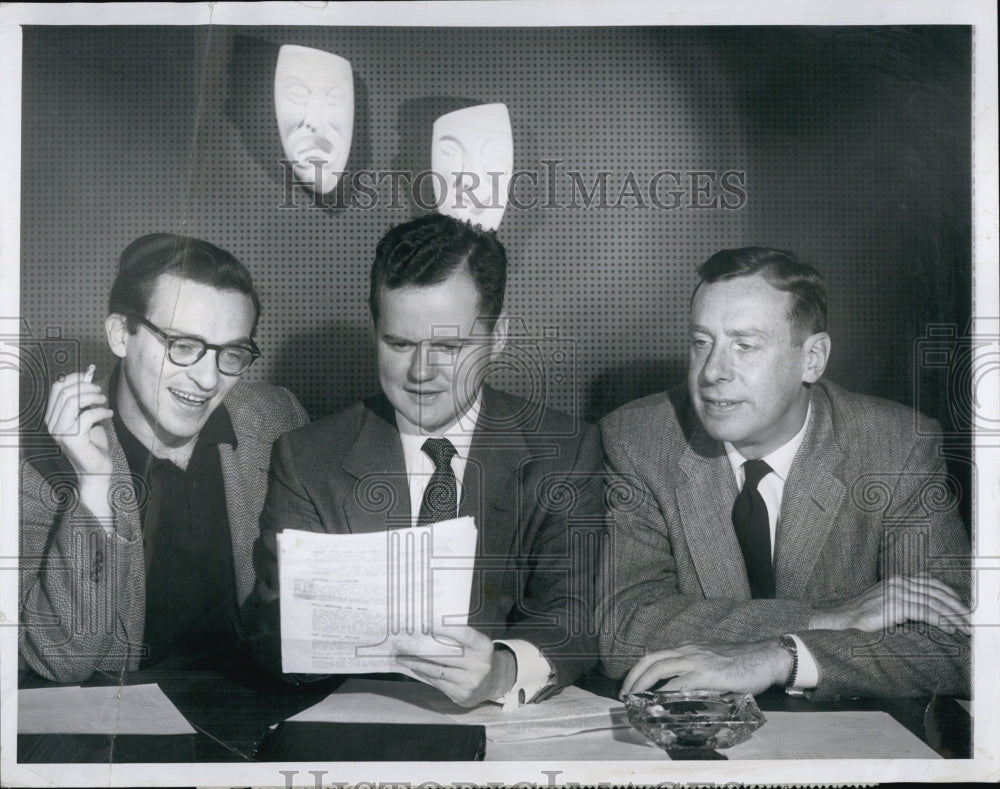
x,y
608,745
377,701
571,711
831,735
363,700
126,709
351,602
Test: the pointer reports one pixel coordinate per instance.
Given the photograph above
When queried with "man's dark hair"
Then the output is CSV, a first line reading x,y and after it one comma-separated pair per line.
x,y
428,250
150,256
781,270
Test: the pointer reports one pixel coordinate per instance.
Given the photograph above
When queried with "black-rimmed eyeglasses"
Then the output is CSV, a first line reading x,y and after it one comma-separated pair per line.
x,y
185,351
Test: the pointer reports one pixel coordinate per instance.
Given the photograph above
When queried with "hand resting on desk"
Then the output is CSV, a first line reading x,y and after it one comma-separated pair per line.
x,y
751,668
755,667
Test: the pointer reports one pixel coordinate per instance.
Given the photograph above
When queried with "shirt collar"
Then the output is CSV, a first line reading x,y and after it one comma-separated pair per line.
x,y
218,428
459,434
780,460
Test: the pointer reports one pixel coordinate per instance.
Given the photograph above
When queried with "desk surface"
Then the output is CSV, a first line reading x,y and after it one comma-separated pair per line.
x,y
233,713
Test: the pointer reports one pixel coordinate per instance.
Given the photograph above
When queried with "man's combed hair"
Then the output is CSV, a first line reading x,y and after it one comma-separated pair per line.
x,y
150,256
428,250
781,270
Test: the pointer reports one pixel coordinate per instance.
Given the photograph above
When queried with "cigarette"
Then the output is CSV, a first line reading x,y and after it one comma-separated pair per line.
x,y
89,375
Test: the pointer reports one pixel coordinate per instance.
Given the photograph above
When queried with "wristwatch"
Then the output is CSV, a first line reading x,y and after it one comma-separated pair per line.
x,y
788,644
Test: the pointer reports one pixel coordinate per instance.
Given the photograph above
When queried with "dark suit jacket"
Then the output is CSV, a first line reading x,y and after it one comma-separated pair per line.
x,y
867,497
83,591
532,482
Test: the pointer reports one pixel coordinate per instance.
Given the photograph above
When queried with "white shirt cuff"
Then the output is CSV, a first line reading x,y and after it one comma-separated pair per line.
x,y
807,674
533,672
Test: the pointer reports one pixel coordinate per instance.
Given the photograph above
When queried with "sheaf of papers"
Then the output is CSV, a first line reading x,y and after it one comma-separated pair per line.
x,y
376,701
832,735
351,602
129,709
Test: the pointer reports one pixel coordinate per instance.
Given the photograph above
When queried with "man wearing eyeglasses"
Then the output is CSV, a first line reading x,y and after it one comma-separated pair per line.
x,y
137,533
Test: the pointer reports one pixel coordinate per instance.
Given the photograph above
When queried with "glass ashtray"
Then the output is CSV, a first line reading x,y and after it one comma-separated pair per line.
x,y
690,719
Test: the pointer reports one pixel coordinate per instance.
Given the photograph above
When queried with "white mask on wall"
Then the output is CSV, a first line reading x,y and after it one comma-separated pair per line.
x,y
477,143
314,105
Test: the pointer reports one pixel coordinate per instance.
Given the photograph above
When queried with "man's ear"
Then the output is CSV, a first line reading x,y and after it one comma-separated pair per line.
x,y
117,331
498,337
817,352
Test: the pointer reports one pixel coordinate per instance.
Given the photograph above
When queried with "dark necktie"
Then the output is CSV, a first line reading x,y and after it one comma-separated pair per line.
x,y
753,530
440,502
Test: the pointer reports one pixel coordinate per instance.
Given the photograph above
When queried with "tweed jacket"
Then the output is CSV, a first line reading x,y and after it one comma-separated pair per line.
x,y
867,497
532,482
83,589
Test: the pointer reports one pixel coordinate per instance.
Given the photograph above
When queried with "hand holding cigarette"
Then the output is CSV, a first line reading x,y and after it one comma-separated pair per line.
x,y
74,410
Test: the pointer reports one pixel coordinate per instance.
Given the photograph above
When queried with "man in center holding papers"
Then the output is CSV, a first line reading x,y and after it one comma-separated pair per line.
x,y
439,443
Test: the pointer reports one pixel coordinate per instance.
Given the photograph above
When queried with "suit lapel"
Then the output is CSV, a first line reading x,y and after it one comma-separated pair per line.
x,y
706,504
813,495
489,485
126,503
242,468
380,498
242,525
126,510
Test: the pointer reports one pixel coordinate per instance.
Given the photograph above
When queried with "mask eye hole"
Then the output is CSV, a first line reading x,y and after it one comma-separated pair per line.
x,y
297,93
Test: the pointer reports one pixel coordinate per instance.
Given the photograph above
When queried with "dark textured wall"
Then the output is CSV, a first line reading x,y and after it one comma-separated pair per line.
x,y
854,143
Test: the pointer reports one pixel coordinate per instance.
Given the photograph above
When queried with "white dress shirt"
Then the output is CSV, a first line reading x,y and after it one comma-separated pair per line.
x,y
420,467
533,669
772,489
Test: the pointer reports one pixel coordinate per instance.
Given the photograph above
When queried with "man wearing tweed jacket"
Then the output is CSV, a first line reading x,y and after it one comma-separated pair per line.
x,y
840,584
137,527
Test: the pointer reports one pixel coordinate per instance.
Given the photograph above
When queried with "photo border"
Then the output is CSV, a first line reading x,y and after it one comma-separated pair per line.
x,y
986,306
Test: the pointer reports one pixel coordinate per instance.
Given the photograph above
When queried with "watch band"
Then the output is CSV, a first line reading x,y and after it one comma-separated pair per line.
x,y
788,644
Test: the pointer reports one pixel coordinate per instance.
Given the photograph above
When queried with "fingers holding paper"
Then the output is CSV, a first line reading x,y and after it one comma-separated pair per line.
x,y
464,665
